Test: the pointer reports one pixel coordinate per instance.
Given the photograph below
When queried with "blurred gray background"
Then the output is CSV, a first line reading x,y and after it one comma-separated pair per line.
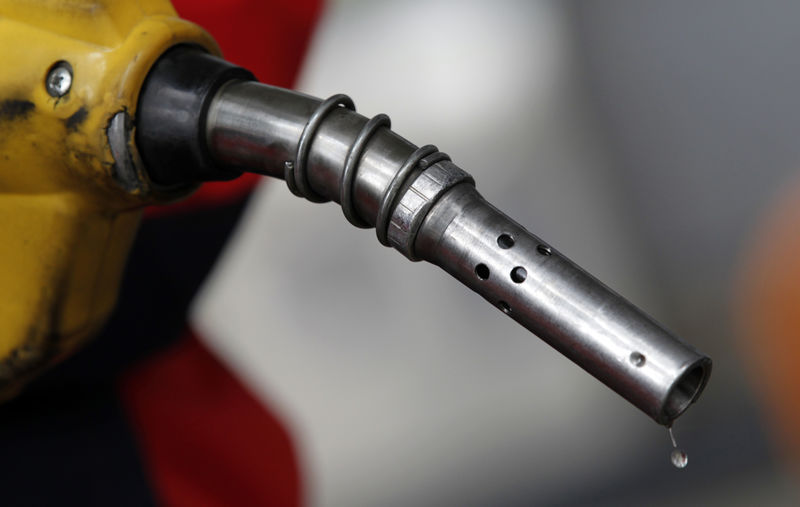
x,y
643,139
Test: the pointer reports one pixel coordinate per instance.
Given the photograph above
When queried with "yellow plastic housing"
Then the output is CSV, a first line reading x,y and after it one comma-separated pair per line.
x,y
65,224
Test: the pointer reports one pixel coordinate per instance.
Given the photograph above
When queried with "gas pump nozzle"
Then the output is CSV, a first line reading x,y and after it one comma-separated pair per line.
x,y
200,118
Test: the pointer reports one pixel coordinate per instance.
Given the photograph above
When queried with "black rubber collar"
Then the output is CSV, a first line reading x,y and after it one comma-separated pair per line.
x,y
171,115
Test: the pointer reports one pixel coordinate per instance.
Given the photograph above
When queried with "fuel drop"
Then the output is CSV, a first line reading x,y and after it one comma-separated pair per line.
x,y
678,456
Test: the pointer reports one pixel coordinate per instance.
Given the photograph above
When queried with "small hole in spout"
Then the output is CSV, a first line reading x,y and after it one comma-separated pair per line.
x,y
637,359
544,250
519,274
504,306
482,270
505,241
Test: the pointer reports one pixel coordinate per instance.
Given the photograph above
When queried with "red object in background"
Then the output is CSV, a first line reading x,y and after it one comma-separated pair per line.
x,y
204,439
268,38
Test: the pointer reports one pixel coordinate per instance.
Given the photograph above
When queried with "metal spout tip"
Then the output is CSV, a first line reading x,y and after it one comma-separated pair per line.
x,y
685,391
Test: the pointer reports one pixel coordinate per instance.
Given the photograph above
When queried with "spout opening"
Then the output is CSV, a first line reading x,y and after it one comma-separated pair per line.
x,y
686,390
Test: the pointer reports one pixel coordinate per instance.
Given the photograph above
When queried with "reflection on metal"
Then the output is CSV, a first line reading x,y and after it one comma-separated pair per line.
x,y
119,136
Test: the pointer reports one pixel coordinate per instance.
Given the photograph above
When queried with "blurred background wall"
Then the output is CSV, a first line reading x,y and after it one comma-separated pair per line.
x,y
644,139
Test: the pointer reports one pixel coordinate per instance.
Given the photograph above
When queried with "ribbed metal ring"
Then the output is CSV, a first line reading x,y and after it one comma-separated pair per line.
x,y
390,196
295,172
351,167
417,201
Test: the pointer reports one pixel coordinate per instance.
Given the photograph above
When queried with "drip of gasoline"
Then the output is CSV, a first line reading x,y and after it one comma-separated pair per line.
x,y
678,457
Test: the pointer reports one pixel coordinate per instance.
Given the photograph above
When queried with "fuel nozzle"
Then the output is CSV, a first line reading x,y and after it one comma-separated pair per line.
x,y
199,118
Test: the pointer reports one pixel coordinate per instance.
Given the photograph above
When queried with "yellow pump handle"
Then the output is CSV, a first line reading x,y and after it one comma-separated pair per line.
x,y
66,222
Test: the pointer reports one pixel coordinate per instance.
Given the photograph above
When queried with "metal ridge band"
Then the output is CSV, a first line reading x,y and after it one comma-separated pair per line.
x,y
295,172
351,167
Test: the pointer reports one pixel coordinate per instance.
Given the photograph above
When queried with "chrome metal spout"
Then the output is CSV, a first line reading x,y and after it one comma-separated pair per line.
x,y
427,208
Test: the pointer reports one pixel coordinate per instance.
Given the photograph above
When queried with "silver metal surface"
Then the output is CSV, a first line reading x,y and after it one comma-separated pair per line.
x,y
428,209
59,79
257,128
562,304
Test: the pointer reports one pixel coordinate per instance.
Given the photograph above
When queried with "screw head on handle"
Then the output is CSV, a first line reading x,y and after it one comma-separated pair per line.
x,y
59,79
